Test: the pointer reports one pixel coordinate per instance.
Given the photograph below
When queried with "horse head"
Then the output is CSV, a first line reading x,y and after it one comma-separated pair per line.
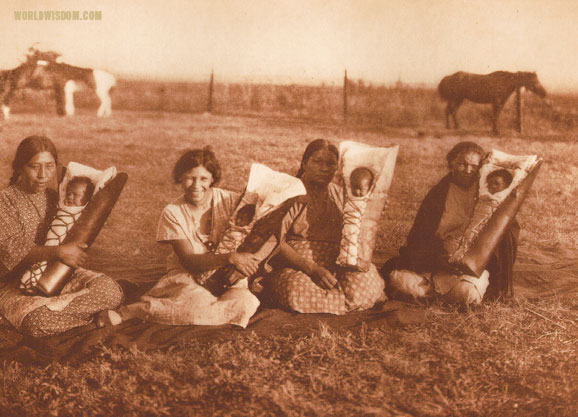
x,y
531,82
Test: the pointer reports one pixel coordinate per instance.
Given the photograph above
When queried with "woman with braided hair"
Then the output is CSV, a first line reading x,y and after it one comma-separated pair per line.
x,y
27,207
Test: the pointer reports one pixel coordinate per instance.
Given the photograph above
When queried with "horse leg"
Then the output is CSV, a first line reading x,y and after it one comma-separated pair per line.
x,y
69,89
497,109
104,81
6,111
59,96
448,111
6,103
456,106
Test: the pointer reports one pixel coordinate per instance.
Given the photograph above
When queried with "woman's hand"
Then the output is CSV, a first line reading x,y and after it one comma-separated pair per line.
x,y
323,277
246,263
72,254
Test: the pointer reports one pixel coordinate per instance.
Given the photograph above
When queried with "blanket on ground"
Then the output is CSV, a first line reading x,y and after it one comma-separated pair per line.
x,y
539,272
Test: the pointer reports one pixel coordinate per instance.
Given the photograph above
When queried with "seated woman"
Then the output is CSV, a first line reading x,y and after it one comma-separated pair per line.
x,y
193,225
27,207
306,278
422,269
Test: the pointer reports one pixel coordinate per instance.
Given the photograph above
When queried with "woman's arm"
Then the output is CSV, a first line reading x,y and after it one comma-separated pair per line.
x,y
196,263
71,254
320,275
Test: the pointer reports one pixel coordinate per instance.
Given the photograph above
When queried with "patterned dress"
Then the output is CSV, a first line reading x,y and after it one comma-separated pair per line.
x,y
179,298
316,236
24,221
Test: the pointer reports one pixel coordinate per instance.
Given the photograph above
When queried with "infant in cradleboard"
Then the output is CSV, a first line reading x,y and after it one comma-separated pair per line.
x,y
79,185
361,180
78,192
498,180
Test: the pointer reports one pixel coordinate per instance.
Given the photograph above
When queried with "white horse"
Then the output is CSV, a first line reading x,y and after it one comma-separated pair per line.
x,y
67,77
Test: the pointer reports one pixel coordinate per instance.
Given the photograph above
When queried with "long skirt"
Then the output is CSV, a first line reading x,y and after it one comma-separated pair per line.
x,y
294,290
86,294
178,299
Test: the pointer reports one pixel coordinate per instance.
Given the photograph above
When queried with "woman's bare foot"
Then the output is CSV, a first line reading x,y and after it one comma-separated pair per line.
x,y
107,318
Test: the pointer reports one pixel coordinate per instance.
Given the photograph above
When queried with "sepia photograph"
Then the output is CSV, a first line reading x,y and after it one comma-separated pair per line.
x,y
289,208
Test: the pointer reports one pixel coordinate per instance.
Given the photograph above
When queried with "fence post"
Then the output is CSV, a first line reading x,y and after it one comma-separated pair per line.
x,y
210,102
519,108
345,96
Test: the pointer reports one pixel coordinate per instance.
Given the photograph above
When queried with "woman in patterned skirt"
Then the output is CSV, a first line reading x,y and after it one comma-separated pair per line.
x,y
27,206
308,280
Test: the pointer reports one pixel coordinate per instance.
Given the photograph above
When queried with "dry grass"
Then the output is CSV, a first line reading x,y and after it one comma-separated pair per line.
x,y
503,359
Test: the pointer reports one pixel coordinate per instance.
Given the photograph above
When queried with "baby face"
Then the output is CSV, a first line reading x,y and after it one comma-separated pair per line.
x,y
360,187
76,195
496,184
245,215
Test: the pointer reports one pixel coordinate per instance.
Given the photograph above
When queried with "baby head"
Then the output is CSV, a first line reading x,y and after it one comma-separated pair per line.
x,y
361,180
245,215
498,180
78,191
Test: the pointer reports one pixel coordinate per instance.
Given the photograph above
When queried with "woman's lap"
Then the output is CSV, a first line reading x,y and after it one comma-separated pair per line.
x,y
86,294
178,300
296,291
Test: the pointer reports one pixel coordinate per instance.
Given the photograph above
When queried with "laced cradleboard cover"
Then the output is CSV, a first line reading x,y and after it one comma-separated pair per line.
x,y
494,212
361,214
74,224
266,189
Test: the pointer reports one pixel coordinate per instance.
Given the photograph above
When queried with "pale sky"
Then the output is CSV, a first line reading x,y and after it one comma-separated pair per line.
x,y
305,41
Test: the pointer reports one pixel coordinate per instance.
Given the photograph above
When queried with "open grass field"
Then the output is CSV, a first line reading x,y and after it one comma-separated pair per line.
x,y
518,358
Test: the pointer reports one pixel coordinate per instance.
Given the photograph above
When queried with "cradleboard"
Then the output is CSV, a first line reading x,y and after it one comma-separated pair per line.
x,y
85,230
361,214
493,213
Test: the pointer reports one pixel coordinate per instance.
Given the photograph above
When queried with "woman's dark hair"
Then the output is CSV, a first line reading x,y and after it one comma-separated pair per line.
x,y
26,150
198,157
316,145
464,147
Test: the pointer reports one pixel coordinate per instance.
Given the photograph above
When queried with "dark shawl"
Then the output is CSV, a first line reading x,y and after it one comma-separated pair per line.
x,y
424,251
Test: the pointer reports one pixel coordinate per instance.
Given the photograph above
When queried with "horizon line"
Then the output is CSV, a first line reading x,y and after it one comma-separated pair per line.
x,y
274,80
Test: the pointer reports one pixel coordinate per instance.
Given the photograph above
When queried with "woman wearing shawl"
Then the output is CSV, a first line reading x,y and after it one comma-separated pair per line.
x,y
422,269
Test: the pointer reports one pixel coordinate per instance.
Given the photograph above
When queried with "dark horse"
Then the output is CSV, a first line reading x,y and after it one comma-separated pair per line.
x,y
494,88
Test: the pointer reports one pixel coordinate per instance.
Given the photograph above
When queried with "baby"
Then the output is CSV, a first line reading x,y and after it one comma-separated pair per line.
x,y
78,191
361,180
498,180
245,215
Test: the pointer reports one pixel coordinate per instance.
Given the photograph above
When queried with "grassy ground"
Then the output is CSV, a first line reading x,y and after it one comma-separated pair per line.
x,y
515,358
